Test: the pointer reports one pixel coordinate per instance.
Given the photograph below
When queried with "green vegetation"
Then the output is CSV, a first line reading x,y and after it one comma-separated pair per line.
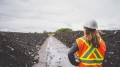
x,y
61,30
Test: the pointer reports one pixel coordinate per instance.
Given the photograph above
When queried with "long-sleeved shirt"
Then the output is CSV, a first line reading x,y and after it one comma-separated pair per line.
x,y
71,54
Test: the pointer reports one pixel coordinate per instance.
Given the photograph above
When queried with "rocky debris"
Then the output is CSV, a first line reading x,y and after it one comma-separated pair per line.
x,y
112,40
20,49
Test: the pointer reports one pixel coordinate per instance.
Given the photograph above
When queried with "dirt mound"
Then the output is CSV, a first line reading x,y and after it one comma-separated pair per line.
x,y
19,49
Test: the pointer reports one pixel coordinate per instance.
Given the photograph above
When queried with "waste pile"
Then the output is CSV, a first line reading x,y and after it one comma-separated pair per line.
x,y
68,38
20,49
112,40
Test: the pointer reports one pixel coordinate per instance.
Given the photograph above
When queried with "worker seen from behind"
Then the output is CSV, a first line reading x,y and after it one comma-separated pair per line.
x,y
89,49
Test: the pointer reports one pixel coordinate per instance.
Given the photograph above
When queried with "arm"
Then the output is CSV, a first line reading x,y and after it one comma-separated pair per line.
x,y
71,53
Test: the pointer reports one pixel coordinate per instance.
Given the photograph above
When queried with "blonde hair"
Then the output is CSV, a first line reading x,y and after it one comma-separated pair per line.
x,y
92,36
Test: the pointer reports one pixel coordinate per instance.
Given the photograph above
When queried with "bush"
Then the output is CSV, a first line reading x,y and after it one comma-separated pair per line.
x,y
63,30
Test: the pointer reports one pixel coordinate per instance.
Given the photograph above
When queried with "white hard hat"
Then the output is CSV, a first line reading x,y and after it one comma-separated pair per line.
x,y
92,24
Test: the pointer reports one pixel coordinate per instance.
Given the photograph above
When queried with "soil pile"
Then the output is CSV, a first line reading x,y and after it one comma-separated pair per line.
x,y
20,49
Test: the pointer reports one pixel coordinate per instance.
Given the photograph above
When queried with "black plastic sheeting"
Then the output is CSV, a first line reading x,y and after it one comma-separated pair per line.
x,y
112,40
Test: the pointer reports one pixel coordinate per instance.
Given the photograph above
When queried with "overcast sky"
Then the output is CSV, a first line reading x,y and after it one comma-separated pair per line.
x,y
49,15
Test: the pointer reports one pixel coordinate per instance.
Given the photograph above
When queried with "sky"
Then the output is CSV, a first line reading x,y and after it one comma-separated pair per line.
x,y
50,15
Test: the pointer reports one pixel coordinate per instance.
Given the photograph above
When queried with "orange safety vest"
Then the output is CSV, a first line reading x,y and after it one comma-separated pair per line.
x,y
88,55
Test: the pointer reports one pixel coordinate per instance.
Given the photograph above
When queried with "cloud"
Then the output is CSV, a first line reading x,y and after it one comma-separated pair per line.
x,y
39,15
5,30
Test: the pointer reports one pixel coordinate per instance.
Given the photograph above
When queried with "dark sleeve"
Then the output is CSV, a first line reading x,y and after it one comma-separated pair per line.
x,y
71,53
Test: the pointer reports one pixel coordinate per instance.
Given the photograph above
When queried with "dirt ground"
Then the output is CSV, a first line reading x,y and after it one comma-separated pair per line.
x,y
53,53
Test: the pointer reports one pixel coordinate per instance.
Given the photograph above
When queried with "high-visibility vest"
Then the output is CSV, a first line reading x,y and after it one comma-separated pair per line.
x,y
90,56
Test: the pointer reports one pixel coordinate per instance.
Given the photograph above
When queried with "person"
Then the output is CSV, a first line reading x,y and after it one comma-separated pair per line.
x,y
89,49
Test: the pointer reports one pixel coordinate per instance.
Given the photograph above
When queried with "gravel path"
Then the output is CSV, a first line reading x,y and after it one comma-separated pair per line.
x,y
53,53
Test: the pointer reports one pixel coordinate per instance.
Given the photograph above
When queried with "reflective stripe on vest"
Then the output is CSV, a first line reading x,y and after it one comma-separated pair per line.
x,y
91,50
